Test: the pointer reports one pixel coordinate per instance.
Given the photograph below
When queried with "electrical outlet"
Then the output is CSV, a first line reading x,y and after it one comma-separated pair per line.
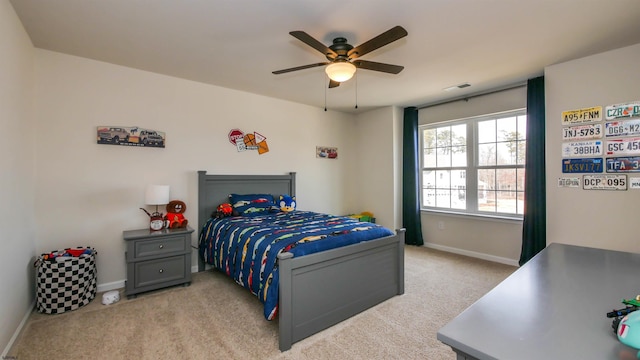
x,y
441,225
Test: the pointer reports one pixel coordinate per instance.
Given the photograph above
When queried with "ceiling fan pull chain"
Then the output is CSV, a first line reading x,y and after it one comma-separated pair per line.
x,y
356,90
325,94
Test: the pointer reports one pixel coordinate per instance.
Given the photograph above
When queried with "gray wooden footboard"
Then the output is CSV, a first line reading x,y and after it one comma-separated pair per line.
x,y
323,289
317,290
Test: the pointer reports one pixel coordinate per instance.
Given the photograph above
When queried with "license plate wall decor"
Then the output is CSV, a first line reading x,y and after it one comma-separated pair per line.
x,y
623,164
582,148
622,128
582,115
604,182
569,182
582,132
605,151
586,165
626,146
624,110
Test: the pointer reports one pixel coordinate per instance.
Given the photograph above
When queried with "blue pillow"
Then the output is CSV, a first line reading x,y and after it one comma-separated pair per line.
x,y
252,204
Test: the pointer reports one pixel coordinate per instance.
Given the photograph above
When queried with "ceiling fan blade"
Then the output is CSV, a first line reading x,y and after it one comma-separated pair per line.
x,y
299,68
333,84
376,66
379,41
309,40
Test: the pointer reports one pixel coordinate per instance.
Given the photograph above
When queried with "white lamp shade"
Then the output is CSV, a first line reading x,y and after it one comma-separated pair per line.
x,y
156,195
340,71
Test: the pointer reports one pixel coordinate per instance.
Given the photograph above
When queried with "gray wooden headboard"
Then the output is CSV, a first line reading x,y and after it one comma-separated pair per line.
x,y
214,190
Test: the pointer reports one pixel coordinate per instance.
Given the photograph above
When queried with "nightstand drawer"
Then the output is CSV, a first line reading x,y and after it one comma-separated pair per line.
x,y
152,272
157,259
160,247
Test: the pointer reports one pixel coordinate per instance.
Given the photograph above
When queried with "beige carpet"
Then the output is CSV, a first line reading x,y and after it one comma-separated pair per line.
x,y
216,319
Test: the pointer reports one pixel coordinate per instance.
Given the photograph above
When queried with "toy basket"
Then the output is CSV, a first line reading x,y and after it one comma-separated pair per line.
x,y
66,282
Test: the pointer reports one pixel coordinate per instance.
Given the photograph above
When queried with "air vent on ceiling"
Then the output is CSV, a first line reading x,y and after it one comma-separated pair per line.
x,y
459,86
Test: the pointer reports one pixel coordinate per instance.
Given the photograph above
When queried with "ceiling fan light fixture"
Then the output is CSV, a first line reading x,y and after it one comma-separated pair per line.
x,y
340,71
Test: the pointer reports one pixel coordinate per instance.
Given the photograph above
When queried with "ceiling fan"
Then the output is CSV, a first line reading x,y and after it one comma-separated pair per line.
x,y
340,55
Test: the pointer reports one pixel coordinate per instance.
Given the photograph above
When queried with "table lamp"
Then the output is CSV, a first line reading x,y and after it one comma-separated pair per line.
x,y
156,195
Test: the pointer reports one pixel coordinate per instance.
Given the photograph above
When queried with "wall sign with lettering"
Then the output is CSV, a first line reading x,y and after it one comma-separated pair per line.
x,y
249,141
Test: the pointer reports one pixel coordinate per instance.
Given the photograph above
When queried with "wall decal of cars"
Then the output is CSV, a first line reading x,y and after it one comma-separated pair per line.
x,y
130,136
326,152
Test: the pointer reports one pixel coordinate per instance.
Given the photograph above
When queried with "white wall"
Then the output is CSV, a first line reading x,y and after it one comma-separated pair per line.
x,y
376,167
492,239
66,190
17,179
88,193
602,219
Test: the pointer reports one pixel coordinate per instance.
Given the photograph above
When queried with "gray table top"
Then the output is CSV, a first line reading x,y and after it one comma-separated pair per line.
x,y
553,307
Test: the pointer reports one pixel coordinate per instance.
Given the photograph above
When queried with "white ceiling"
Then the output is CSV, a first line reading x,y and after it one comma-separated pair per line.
x,y
237,44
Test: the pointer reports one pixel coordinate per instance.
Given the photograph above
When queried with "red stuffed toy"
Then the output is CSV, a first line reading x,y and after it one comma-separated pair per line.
x,y
223,210
175,217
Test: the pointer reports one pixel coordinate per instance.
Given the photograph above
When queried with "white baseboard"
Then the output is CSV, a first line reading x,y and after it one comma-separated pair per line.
x,y
483,256
111,286
6,350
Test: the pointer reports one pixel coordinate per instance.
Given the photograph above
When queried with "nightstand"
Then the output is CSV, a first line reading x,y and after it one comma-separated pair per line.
x,y
157,259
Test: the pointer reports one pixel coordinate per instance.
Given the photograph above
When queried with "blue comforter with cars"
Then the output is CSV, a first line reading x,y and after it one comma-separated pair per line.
x,y
246,248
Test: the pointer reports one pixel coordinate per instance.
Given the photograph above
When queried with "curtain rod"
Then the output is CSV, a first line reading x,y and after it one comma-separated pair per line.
x,y
471,96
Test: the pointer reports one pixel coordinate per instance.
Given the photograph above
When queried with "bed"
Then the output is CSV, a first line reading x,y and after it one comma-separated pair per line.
x,y
317,290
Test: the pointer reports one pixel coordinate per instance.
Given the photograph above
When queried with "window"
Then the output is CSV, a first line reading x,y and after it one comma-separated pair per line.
x,y
475,165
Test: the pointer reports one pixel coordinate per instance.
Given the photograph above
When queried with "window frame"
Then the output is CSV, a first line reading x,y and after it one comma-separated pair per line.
x,y
471,168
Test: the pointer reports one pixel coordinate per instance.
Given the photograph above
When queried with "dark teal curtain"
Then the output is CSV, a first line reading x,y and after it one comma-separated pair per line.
x,y
534,226
410,184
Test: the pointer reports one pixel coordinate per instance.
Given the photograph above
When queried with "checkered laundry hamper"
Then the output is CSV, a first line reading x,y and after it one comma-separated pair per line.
x,y
66,283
